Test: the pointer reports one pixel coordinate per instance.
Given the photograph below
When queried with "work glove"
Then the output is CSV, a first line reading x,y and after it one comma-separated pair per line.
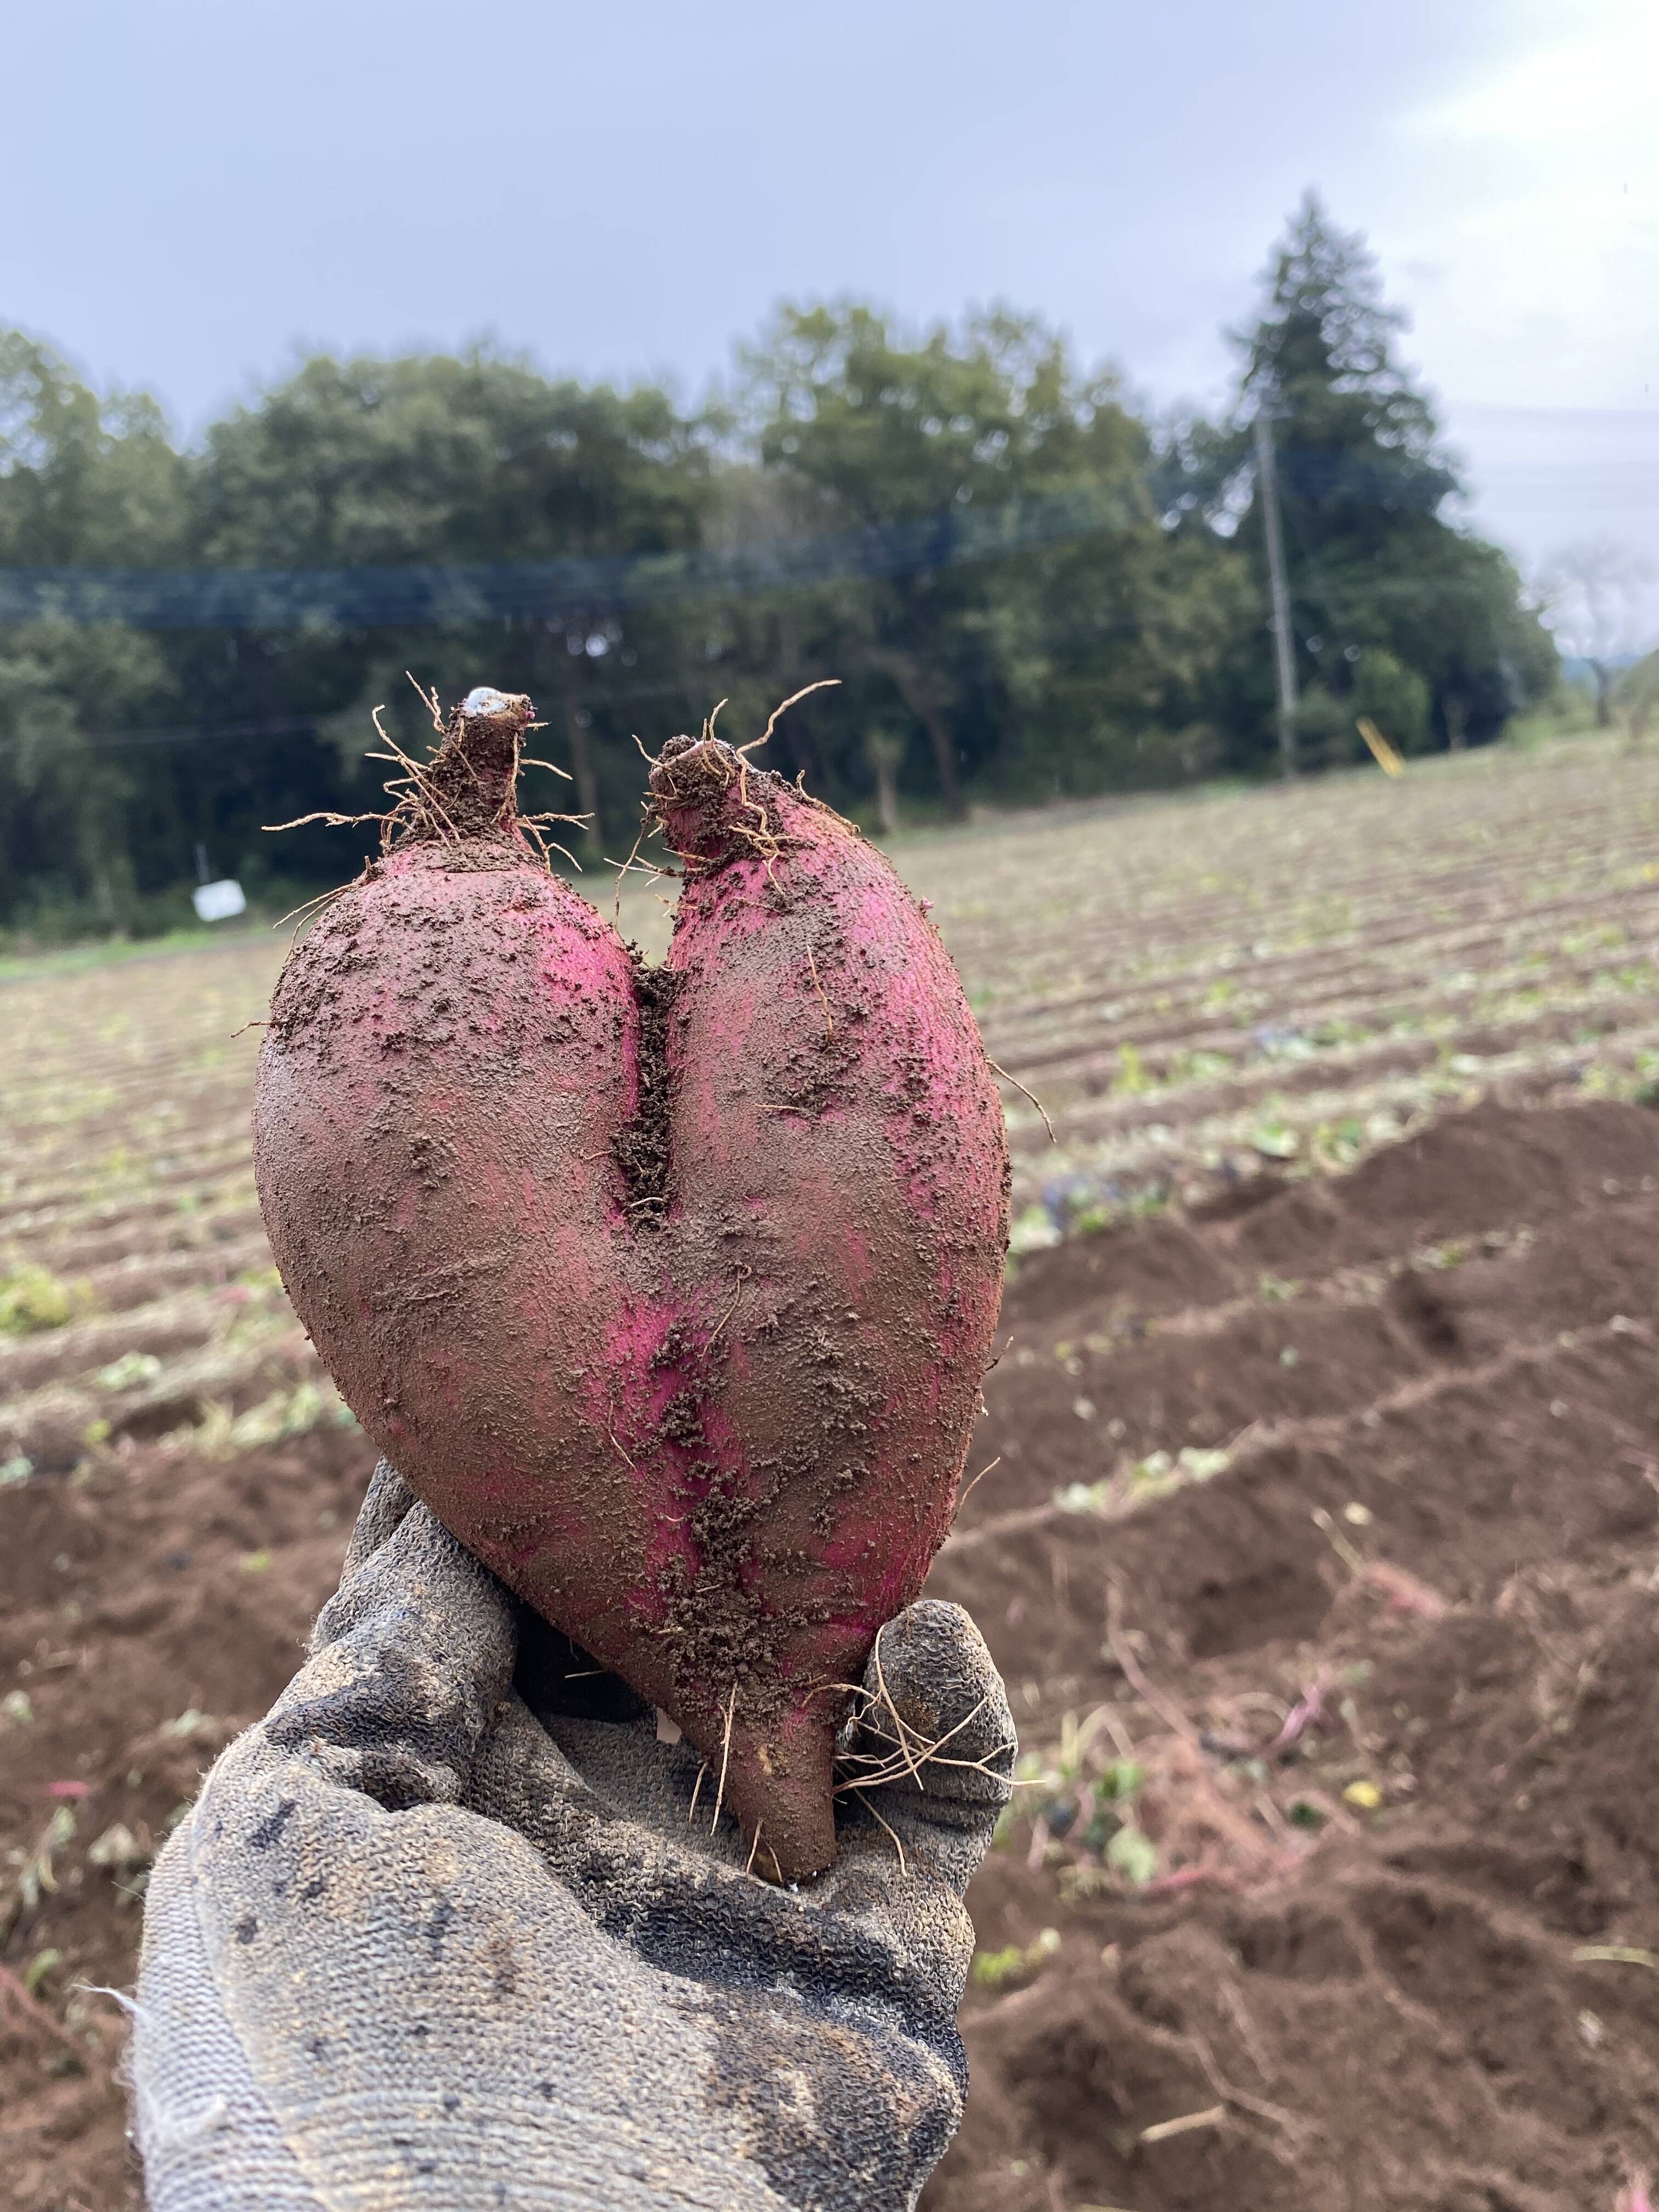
x,y
446,1930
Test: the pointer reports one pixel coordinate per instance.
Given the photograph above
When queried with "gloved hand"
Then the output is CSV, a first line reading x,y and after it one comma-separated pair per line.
x,y
443,1930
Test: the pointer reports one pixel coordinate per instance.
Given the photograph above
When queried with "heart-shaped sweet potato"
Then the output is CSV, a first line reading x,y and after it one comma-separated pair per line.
x,y
669,1290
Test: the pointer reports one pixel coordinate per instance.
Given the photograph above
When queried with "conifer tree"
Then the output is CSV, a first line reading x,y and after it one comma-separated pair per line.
x,y
1398,611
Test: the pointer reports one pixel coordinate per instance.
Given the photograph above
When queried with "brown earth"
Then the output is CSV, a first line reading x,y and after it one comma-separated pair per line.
x,y
1352,2002
1336,1475
1395,2007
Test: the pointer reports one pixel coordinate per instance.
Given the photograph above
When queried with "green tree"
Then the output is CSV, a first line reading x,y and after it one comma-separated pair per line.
x,y
435,460
1031,594
1034,671
1375,565
1636,697
85,481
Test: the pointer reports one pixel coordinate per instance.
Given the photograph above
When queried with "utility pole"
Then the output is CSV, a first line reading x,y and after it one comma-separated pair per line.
x,y
1267,483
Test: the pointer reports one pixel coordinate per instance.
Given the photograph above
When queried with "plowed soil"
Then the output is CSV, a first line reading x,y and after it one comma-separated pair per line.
x,y
1318,1543
1440,1521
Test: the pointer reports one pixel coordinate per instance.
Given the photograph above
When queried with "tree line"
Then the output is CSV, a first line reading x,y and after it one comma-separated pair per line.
x,y
1126,652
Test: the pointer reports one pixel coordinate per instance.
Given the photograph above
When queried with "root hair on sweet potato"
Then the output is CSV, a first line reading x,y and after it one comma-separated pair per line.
x,y
429,701
907,1751
743,1273
624,867
893,1836
308,910
323,814
725,1755
532,826
758,834
1024,1093
823,683
963,1496
419,812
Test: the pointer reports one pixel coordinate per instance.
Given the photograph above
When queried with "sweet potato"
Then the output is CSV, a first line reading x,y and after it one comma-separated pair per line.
x,y
669,1290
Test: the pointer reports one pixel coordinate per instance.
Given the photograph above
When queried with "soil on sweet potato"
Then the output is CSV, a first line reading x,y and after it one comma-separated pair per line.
x,y
640,1147
1398,2020
668,1290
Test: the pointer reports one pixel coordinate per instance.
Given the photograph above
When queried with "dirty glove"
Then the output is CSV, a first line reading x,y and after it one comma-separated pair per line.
x,y
443,1932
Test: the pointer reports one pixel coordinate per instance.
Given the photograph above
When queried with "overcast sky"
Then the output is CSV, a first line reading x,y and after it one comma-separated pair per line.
x,y
197,190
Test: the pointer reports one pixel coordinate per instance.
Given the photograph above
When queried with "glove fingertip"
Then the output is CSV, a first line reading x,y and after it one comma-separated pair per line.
x,y
935,1712
387,1503
932,1665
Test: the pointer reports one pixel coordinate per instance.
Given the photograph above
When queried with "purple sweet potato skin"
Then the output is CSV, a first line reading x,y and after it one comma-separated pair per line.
x,y
670,1293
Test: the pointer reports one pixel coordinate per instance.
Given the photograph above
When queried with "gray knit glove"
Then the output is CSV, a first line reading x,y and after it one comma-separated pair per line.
x,y
440,1931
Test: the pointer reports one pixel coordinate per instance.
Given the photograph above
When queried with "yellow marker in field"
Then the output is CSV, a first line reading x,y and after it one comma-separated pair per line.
x,y
1382,751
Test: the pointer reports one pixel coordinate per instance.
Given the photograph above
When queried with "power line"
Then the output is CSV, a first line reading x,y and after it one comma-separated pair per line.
x,y
575,590
277,725
581,591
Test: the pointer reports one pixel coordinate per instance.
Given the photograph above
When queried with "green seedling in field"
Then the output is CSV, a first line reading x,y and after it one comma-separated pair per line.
x,y
1095,1809
33,1298
1606,937
129,1372
1146,1204
42,1964
1121,1781
221,1434
1093,1218
117,1849
995,1969
1132,1079
1338,1033
1276,1141
1452,1253
38,1875
1111,1831
1192,1463
1034,1230
1156,1476
1133,1855
119,1170
1196,1067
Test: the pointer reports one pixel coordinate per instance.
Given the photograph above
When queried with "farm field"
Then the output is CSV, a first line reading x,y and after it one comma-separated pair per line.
x,y
1316,1540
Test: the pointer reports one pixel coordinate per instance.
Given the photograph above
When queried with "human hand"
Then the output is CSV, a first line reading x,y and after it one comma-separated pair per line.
x,y
442,1929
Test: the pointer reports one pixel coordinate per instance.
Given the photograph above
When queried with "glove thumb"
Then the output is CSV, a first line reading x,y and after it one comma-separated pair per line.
x,y
931,1753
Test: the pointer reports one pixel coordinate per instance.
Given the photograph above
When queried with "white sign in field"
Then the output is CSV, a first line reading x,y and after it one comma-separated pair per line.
x,y
218,902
